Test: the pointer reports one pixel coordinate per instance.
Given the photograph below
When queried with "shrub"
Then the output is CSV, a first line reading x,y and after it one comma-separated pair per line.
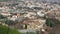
x,y
7,30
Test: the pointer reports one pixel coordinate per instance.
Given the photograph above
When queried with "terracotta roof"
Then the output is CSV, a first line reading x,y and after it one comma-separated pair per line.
x,y
28,21
54,14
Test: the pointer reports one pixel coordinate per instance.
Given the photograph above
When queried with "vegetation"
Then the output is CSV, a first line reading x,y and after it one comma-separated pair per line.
x,y
49,22
7,30
2,17
52,22
5,20
4,29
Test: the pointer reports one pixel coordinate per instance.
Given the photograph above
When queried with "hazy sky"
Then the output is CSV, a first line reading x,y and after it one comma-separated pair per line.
x,y
35,0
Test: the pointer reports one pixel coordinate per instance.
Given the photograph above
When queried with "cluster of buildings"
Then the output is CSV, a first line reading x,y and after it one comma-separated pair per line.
x,y
29,15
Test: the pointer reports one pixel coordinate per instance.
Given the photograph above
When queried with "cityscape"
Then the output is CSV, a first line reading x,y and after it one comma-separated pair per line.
x,y
29,17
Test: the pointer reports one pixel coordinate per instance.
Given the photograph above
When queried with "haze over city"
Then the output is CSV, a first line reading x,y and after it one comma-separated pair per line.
x,y
35,0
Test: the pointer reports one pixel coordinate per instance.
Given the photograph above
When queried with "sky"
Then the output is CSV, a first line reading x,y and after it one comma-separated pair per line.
x,y
36,0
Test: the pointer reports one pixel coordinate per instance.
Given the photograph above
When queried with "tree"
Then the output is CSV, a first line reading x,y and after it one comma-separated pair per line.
x,y
2,17
49,22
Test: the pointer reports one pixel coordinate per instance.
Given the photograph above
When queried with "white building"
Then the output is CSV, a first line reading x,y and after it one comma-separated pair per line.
x,y
40,13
